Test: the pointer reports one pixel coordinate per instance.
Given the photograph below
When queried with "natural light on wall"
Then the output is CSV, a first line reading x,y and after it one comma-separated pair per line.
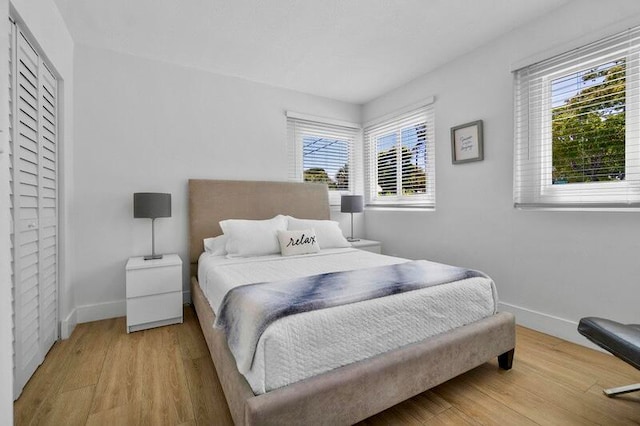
x,y
576,127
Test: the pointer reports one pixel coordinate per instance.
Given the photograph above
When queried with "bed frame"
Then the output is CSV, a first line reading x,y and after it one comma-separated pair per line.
x,y
347,394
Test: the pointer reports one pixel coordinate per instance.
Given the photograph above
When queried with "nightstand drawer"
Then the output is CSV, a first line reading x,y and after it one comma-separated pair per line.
x,y
141,310
142,282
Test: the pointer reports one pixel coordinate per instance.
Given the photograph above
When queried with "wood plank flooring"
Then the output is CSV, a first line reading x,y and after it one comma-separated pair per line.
x,y
164,376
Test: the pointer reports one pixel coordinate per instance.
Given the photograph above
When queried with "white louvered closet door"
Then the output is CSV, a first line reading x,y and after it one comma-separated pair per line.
x,y
33,155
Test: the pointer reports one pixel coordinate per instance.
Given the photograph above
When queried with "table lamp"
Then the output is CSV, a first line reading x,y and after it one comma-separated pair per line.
x,y
352,204
151,205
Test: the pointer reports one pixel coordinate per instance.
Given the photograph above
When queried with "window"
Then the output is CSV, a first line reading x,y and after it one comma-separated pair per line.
x,y
576,127
322,152
399,159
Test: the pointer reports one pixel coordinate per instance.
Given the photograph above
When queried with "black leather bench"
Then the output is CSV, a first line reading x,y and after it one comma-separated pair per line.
x,y
622,340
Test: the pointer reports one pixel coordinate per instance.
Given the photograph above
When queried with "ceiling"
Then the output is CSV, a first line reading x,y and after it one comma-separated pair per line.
x,y
350,50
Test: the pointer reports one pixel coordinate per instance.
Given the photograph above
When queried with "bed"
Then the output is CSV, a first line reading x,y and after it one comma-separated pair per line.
x,y
349,393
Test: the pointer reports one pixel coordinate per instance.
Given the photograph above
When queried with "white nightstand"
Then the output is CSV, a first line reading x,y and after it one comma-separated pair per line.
x,y
154,292
368,245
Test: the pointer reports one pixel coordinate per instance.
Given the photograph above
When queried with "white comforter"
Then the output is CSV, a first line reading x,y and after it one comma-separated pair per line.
x,y
304,345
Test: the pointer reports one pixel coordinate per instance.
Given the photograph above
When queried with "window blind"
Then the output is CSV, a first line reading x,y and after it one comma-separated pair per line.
x,y
400,160
576,127
321,152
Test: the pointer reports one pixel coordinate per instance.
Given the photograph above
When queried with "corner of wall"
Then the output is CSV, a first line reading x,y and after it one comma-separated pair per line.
x,y
549,324
68,324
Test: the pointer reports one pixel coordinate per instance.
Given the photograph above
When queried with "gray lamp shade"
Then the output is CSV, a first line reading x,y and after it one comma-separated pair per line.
x,y
352,204
151,205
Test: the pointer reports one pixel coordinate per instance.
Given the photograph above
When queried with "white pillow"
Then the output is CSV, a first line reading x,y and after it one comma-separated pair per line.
x,y
298,242
253,237
328,232
216,245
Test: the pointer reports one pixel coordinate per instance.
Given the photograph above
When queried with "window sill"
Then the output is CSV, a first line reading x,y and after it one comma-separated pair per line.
x,y
400,208
599,209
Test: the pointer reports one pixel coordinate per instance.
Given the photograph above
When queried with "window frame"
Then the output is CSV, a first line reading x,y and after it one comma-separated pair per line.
x,y
300,126
412,117
539,140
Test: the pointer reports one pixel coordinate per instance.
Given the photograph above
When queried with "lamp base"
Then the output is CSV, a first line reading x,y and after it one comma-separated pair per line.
x,y
153,257
352,240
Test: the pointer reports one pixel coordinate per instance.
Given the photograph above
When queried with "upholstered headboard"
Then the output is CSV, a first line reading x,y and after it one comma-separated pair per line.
x,y
211,201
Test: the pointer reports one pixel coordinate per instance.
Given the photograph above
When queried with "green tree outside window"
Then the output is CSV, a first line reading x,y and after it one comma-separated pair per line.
x,y
588,128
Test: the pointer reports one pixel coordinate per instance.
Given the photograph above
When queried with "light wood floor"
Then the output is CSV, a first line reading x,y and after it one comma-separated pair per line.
x,y
103,376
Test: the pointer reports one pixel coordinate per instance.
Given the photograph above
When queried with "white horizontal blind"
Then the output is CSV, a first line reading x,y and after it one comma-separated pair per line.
x,y
321,152
577,127
400,160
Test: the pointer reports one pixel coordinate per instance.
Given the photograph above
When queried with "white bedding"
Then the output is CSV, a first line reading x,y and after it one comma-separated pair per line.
x,y
303,345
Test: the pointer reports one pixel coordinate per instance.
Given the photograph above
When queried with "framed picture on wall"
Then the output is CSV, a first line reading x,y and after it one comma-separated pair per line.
x,y
466,143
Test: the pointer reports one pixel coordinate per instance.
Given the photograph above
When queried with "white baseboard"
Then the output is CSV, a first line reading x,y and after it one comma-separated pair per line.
x,y
545,323
68,324
549,324
100,311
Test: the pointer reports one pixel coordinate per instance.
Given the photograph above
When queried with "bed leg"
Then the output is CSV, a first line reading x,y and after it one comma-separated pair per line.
x,y
505,360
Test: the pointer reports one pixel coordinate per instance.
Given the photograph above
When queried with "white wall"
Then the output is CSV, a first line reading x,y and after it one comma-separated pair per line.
x,y
144,125
551,268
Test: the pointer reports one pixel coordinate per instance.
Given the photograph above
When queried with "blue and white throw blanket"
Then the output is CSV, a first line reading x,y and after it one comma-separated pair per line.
x,y
246,311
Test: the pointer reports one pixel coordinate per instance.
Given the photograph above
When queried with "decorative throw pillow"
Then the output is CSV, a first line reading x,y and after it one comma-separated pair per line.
x,y
298,242
216,245
247,238
328,232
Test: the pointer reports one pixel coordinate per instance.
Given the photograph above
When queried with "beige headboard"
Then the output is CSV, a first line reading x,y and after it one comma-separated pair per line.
x,y
211,201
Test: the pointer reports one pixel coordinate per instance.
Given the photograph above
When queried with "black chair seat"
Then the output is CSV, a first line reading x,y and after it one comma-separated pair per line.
x,y
622,340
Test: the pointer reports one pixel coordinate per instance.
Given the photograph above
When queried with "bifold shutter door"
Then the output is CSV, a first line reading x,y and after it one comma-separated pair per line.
x,y
33,144
48,205
12,61
26,164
